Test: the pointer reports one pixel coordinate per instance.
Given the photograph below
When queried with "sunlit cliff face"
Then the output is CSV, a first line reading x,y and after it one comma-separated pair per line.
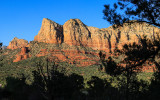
x,y
76,42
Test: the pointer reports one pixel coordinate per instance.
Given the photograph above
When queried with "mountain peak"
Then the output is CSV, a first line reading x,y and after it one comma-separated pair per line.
x,y
73,22
50,32
15,38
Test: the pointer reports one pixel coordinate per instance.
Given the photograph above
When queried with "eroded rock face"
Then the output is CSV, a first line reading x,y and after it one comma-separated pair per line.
x,y
76,33
107,39
23,54
17,43
129,34
99,39
50,32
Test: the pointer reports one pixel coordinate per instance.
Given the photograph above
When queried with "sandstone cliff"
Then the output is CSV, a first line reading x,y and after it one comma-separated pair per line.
x,y
75,32
17,43
50,32
76,43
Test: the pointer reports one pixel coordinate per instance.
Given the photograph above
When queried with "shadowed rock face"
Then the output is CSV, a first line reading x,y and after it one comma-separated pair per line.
x,y
17,43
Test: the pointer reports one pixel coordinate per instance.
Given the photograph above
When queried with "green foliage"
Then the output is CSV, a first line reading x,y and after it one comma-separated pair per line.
x,y
96,82
140,10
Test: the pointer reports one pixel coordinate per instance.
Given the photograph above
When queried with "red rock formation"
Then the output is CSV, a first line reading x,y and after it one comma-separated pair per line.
x,y
50,32
18,58
75,33
17,43
23,54
23,51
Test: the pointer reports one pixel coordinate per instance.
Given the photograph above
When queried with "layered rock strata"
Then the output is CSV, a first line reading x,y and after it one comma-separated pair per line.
x,y
50,32
75,33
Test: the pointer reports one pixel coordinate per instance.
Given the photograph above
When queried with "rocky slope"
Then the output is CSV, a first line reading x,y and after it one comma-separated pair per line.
x,y
75,42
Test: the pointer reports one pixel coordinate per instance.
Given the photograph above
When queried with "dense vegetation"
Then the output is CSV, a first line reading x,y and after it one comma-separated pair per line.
x,y
38,78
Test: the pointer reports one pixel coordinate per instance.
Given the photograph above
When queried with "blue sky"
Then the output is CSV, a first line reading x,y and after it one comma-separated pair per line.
x,y
23,18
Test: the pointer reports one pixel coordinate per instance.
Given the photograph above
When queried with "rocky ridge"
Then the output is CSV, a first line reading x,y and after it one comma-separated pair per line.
x,y
17,43
75,32
71,40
